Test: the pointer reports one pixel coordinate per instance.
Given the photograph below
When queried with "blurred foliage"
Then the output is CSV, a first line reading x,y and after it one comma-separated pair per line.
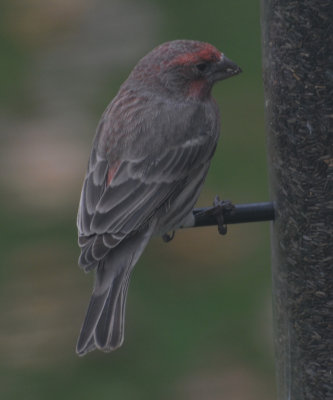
x,y
14,60
198,314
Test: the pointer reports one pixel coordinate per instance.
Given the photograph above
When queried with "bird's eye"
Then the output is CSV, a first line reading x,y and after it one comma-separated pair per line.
x,y
202,67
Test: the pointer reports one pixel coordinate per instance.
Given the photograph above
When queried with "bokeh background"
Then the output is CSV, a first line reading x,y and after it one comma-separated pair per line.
x,y
199,308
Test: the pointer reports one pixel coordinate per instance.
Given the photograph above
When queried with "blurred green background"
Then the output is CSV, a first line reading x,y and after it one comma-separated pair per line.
x,y
199,310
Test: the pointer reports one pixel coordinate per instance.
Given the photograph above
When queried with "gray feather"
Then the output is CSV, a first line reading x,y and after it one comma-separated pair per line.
x,y
103,326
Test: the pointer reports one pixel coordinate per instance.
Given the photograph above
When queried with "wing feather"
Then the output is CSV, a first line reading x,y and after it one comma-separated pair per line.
x,y
137,192
146,178
116,195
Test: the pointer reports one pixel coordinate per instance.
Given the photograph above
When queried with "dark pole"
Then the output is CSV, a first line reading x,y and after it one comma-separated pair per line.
x,y
241,213
298,79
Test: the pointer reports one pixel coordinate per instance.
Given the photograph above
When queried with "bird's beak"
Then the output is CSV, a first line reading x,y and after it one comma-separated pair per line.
x,y
225,68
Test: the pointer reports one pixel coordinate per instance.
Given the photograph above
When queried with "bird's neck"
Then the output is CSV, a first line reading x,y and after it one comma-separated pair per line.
x,y
199,89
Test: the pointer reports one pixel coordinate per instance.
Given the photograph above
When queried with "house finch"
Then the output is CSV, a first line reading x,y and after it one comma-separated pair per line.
x,y
149,160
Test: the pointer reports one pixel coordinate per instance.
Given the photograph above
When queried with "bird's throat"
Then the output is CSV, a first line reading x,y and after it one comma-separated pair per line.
x,y
199,89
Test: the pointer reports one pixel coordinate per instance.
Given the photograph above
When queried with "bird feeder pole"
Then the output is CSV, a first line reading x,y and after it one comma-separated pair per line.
x,y
298,80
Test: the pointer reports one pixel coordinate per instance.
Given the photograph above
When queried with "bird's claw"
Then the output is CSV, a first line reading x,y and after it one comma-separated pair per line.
x,y
168,237
220,209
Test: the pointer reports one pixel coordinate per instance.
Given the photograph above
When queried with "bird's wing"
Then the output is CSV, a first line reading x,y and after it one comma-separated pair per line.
x,y
120,199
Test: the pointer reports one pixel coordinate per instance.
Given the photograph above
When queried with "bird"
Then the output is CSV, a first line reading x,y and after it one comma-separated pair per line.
x,y
149,159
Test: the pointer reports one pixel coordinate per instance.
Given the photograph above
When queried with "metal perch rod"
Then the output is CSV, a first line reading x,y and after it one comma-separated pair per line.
x,y
252,212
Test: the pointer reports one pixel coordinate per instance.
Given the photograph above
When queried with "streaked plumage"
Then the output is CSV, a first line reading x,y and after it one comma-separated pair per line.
x,y
149,159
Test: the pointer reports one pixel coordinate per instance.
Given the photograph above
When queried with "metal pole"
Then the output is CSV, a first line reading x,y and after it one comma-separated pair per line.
x,y
241,213
298,80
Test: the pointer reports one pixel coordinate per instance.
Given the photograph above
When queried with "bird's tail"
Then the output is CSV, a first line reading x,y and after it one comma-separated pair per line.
x,y
103,327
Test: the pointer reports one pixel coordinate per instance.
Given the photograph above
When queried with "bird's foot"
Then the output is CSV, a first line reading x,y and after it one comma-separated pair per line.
x,y
220,209
168,237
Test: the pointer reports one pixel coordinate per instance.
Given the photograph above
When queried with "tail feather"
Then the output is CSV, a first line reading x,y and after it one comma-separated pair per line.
x,y
92,317
108,324
103,326
118,339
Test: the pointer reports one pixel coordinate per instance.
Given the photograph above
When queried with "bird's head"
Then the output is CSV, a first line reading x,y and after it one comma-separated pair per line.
x,y
183,68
